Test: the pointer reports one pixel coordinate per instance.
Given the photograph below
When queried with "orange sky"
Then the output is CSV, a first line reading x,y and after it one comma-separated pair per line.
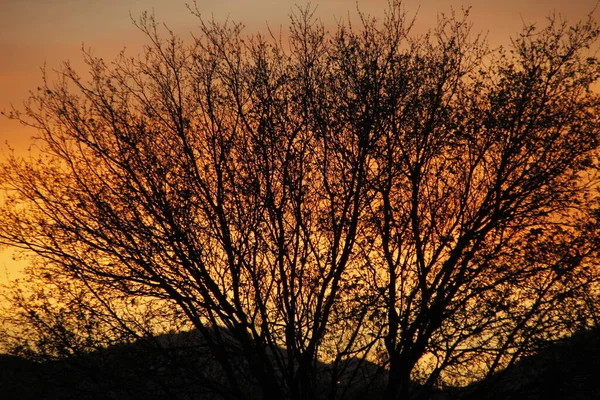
x,y
38,32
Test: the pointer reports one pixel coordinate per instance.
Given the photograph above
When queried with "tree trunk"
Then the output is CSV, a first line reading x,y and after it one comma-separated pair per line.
x,y
304,388
398,385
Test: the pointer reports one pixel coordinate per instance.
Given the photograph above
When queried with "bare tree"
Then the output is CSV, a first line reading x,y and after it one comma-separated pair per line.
x,y
419,201
482,241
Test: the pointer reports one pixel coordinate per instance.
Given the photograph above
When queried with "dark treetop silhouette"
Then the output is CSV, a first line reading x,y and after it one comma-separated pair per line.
x,y
418,201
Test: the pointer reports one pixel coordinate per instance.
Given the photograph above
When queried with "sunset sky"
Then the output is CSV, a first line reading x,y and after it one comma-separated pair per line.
x,y
38,32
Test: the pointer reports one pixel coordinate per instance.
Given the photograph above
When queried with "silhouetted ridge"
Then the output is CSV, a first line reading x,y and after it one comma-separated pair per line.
x,y
169,366
567,369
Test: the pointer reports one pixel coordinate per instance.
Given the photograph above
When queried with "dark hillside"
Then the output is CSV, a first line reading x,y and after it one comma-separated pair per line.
x,y
18,378
568,369
178,366
174,366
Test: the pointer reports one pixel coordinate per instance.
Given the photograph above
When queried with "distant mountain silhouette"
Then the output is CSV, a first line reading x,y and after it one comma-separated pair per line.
x,y
179,366
18,378
568,370
171,366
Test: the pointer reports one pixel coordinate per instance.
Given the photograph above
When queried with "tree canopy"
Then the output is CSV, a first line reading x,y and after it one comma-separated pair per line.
x,y
367,195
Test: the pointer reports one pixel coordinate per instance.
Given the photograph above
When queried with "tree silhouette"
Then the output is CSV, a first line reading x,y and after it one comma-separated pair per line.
x,y
419,201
